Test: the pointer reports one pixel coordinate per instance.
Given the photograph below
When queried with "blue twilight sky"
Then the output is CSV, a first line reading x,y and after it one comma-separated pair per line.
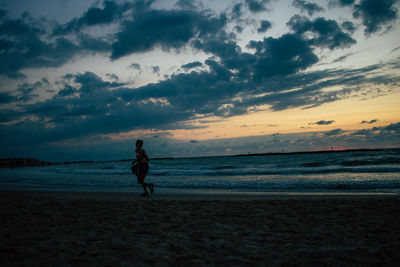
x,y
84,79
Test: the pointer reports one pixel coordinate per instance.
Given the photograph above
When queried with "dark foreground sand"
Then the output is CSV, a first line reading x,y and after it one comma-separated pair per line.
x,y
69,229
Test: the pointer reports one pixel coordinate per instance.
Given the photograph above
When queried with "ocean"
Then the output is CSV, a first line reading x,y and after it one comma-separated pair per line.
x,y
329,171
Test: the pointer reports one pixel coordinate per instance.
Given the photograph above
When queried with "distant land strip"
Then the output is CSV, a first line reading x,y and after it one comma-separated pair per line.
x,y
32,162
22,162
310,152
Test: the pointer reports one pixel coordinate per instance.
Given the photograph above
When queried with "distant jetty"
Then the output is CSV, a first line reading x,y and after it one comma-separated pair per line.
x,y
166,158
21,162
305,152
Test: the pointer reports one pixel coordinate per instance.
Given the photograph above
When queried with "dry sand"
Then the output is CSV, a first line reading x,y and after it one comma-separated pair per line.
x,y
69,229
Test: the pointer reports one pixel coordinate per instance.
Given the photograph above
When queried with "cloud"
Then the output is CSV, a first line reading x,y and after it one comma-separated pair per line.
x,y
292,92
349,26
264,26
164,28
28,43
231,83
323,122
87,105
192,65
281,56
161,145
369,122
333,3
346,2
362,132
334,132
2,13
112,76
24,93
378,134
135,66
96,16
143,29
375,13
342,58
395,49
189,4
308,7
391,128
67,90
325,33
155,69
256,6
6,98
25,43
237,11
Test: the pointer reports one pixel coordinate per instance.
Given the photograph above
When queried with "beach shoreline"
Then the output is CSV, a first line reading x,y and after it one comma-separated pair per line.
x,y
211,193
115,228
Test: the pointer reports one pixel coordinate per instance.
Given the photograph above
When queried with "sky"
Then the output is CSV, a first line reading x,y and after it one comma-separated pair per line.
x,y
82,80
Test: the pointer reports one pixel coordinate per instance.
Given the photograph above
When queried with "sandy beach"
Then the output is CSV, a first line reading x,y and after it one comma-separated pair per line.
x,y
116,229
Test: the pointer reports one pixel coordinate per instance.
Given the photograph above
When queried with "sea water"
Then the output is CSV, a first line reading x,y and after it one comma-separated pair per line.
x,y
350,170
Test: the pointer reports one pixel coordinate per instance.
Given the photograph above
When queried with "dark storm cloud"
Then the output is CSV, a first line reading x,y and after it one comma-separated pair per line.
x,y
9,115
346,2
375,14
264,26
237,11
391,128
362,132
92,108
341,2
6,98
97,16
334,132
92,16
192,65
349,26
369,122
326,33
2,13
389,132
188,4
67,90
112,76
155,69
23,44
342,58
308,7
19,41
257,5
165,28
281,56
87,105
194,93
24,92
148,28
323,122
281,95
88,109
135,66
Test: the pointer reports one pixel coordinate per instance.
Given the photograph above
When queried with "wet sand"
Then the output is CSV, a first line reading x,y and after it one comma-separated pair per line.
x,y
87,228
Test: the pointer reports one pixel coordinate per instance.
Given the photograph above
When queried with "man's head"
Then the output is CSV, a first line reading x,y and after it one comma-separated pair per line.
x,y
139,143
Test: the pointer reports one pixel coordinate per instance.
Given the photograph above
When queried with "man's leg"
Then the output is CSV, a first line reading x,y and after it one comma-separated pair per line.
x,y
141,181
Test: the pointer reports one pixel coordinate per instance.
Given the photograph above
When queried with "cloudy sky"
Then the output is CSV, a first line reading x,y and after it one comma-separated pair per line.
x,y
84,79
